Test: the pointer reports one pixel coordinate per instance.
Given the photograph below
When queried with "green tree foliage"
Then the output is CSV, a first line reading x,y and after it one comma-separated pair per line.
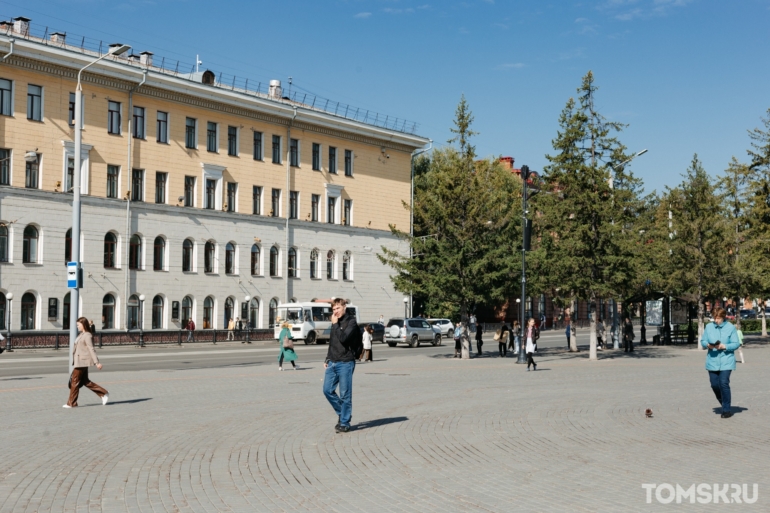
x,y
466,227
589,245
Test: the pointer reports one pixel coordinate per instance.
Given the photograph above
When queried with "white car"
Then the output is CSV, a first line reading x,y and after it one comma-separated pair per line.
x,y
445,326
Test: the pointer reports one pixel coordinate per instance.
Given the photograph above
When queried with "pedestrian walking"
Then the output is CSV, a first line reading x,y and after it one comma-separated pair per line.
x,y
83,357
542,321
600,334
628,335
516,339
382,320
231,329
367,342
286,343
502,344
472,324
721,340
531,334
2,348
190,330
458,341
740,341
465,340
344,346
568,332
479,341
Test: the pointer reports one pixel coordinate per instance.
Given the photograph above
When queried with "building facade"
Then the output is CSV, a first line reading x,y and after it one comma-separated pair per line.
x,y
210,201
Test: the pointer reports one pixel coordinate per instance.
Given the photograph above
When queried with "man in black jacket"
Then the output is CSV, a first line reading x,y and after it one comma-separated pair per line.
x,y
344,348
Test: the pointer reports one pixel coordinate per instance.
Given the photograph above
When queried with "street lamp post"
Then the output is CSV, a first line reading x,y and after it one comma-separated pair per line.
x,y
415,153
526,227
141,320
8,347
116,49
248,319
406,304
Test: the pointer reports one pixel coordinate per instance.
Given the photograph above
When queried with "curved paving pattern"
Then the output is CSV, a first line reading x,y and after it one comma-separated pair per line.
x,y
433,434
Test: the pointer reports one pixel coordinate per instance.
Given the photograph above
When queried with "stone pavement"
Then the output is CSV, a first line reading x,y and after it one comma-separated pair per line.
x,y
431,434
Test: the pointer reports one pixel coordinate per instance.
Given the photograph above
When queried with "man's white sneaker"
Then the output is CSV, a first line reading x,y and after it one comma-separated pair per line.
x,y
105,399
280,368
66,406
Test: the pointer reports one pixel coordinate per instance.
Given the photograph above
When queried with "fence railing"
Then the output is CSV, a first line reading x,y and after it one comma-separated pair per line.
x,y
60,339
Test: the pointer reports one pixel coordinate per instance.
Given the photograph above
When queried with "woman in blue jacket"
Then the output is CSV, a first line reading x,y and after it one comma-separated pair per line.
x,y
721,340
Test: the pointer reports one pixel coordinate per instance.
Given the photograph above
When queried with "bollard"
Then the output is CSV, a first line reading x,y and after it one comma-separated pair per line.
x,y
179,338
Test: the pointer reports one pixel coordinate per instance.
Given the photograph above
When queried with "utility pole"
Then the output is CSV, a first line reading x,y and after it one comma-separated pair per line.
x,y
526,232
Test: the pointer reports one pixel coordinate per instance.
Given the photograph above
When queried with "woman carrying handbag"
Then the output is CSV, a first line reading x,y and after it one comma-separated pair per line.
x,y
84,357
531,334
287,347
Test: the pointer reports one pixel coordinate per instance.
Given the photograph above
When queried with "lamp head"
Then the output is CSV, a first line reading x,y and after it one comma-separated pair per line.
x,y
247,298
30,156
406,300
141,297
9,296
118,49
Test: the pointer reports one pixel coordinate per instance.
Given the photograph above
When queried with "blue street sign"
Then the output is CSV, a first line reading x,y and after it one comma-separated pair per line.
x,y
72,275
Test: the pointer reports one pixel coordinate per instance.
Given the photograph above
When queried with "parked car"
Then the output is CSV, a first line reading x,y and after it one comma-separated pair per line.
x,y
379,331
444,325
748,314
412,332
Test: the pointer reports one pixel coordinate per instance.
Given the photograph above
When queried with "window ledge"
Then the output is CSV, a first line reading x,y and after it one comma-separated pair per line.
x,y
32,264
160,270
210,273
189,272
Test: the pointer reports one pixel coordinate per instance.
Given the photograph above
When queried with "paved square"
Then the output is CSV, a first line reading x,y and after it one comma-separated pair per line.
x,y
432,434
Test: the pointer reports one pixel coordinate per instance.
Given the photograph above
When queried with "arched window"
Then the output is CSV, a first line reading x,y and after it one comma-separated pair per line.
x,y
229,310
346,266
330,265
272,312
132,322
28,304
187,310
230,258
29,250
108,312
255,260
65,313
254,313
110,250
187,256
209,254
157,313
208,313
135,252
159,254
3,243
68,246
292,263
3,307
314,264
273,261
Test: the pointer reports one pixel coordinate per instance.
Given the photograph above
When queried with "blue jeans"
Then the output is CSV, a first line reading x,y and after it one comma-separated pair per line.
x,y
720,384
340,373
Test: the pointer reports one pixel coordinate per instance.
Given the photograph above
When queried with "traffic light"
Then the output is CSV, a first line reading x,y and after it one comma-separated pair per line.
x,y
525,172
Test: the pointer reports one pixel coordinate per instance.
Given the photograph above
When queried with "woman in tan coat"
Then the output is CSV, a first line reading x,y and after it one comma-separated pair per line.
x,y
84,357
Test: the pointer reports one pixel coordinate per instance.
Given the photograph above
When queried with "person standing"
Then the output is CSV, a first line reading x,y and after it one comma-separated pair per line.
x,y
231,329
600,334
287,347
190,330
83,357
721,340
531,334
479,341
367,342
465,340
502,344
568,332
739,333
516,337
628,335
542,321
382,320
344,346
472,324
458,341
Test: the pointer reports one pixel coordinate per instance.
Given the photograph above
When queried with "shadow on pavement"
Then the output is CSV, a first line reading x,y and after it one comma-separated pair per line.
x,y
128,401
733,409
15,379
378,422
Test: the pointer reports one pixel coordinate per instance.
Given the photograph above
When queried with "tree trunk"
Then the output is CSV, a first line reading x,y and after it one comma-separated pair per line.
x,y
737,314
592,331
701,315
573,327
764,316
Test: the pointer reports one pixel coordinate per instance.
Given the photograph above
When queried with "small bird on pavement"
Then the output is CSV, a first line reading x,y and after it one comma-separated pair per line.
x,y
648,413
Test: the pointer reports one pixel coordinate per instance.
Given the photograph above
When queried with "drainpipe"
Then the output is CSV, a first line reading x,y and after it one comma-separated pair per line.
x,y
288,197
128,196
9,53
411,212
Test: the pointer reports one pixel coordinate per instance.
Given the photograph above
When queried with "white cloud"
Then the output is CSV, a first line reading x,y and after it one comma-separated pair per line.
x,y
363,15
627,10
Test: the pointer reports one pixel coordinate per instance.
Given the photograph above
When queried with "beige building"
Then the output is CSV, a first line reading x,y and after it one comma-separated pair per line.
x,y
197,194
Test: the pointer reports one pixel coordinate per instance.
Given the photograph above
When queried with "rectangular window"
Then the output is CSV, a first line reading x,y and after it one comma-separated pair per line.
x,y
294,152
71,117
257,145
162,127
232,194
113,178
113,118
276,149
189,191
138,127
6,90
160,187
32,171
316,157
34,102
276,203
211,193
332,160
256,198
330,206
348,163
232,140
293,204
211,137
348,210
314,201
137,185
190,139
5,167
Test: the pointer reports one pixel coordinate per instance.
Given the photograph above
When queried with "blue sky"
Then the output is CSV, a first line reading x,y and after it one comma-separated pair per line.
x,y
686,75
